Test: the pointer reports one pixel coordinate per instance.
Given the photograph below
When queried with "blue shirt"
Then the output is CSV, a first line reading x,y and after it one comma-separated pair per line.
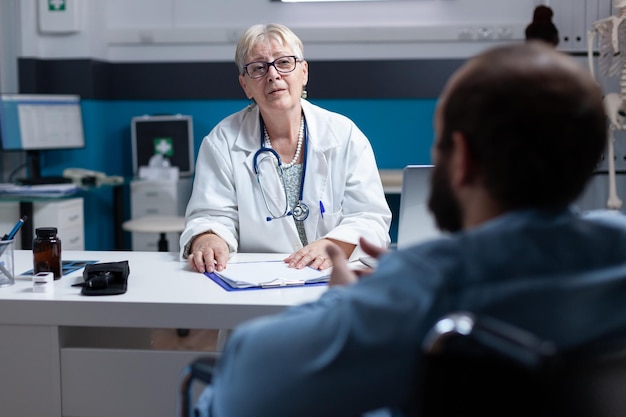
x,y
355,349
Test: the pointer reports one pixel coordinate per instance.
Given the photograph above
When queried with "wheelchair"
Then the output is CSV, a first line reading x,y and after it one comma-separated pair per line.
x,y
475,365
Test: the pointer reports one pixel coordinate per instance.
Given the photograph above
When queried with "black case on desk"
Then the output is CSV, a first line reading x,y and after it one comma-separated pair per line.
x,y
106,278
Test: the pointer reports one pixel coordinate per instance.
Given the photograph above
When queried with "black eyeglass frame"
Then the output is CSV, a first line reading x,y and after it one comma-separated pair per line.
x,y
273,64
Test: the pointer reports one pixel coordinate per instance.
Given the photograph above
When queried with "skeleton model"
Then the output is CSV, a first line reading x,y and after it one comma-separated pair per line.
x,y
611,33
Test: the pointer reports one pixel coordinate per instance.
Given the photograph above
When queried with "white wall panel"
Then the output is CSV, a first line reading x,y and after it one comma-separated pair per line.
x,y
207,30
175,30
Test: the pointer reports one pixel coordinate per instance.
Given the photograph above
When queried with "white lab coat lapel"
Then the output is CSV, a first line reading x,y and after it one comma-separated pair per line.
x,y
319,142
278,229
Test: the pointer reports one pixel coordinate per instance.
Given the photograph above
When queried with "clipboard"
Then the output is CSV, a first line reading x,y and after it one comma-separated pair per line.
x,y
265,275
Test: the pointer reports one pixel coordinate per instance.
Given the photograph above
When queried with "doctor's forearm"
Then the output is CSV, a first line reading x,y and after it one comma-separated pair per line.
x,y
346,248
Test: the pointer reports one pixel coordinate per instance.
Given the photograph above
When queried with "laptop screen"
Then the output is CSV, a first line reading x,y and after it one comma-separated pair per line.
x,y
415,223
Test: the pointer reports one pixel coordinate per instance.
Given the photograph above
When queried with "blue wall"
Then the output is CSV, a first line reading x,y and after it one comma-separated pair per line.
x,y
400,131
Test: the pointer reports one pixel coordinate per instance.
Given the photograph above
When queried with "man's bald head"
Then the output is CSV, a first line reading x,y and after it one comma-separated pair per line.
x,y
534,123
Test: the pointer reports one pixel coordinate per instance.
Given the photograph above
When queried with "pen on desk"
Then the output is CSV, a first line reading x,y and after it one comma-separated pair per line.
x,y
322,209
15,229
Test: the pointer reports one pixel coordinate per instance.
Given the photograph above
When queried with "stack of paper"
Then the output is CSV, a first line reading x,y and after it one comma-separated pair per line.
x,y
270,274
42,190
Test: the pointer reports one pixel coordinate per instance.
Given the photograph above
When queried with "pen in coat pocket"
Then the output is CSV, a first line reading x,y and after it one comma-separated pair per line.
x,y
322,209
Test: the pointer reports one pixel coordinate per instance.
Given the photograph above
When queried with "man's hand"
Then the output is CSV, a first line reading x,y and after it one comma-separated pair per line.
x,y
372,250
341,275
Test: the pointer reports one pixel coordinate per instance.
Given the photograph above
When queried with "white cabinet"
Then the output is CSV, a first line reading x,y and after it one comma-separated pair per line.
x,y
64,214
158,198
573,18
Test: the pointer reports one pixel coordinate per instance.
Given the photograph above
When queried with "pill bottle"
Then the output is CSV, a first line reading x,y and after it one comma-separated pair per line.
x,y
47,251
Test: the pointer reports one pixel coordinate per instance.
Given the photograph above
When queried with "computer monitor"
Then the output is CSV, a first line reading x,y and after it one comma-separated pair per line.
x,y
168,135
416,223
34,122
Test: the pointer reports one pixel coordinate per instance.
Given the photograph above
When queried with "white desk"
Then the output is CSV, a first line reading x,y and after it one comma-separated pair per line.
x,y
64,354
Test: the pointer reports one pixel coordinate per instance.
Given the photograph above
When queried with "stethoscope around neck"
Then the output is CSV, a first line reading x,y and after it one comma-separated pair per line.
x,y
300,211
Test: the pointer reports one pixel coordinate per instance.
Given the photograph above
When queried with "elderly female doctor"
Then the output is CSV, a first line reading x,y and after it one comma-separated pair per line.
x,y
282,175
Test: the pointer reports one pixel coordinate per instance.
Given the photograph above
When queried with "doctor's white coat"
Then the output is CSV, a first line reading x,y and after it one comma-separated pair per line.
x,y
341,173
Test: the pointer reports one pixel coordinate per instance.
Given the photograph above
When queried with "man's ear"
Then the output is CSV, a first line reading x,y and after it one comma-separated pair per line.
x,y
462,164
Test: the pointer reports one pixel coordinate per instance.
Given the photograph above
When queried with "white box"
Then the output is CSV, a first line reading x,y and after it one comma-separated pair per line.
x,y
59,16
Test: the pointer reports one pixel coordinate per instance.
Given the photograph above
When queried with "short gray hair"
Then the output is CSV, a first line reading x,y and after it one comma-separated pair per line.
x,y
258,33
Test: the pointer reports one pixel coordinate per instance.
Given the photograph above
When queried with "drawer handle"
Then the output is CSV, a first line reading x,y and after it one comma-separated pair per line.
x,y
76,239
152,194
152,211
74,217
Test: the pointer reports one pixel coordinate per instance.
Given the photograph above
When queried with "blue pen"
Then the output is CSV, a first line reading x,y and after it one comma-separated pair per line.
x,y
15,229
322,209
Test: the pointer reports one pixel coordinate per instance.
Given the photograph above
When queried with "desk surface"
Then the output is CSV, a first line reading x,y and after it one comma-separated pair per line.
x,y
162,292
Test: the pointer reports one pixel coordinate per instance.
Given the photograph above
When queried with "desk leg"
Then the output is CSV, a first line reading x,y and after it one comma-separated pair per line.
x,y
27,233
162,243
222,338
163,247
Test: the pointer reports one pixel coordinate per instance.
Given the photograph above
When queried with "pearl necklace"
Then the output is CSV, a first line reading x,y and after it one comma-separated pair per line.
x,y
268,143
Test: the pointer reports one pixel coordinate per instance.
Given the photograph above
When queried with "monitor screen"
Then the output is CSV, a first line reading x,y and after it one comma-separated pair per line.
x,y
416,223
170,136
40,121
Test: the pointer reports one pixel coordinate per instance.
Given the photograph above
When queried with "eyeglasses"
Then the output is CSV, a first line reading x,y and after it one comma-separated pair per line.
x,y
284,65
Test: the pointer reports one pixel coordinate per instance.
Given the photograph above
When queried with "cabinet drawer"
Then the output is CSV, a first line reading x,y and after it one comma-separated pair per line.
x,y
150,208
60,214
149,198
72,238
159,197
66,215
154,190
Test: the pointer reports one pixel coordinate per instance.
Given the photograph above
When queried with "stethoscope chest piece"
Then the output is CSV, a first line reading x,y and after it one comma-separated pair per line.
x,y
300,211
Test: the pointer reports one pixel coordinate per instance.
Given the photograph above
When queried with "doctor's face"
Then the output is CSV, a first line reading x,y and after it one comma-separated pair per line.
x,y
275,90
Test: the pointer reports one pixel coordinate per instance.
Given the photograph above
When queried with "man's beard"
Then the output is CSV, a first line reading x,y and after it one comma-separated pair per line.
x,y
442,202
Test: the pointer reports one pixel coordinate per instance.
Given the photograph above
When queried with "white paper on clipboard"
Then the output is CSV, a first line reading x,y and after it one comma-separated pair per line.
x,y
270,274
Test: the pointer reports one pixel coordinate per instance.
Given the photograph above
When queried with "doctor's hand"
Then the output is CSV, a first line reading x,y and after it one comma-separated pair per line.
x,y
314,254
208,253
